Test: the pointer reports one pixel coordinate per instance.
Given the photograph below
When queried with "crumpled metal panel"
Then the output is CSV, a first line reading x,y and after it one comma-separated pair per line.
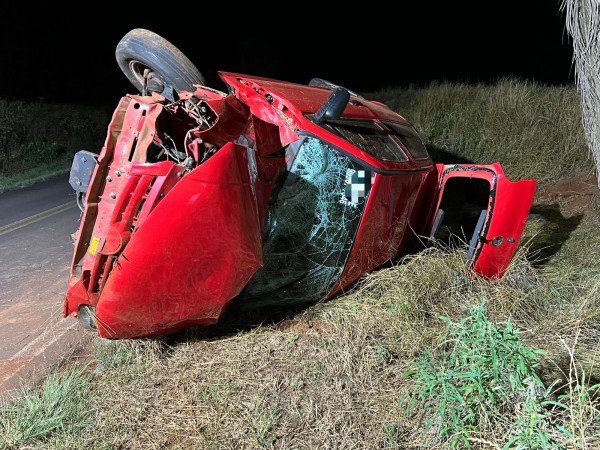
x,y
192,255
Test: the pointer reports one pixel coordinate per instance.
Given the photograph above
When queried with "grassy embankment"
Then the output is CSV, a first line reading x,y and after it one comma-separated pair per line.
x,y
38,140
419,355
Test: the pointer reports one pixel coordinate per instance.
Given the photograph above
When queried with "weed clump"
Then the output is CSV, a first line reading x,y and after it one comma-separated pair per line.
x,y
58,406
481,379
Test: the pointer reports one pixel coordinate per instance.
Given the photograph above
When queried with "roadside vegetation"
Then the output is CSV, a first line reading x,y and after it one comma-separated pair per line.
x,y
420,354
38,140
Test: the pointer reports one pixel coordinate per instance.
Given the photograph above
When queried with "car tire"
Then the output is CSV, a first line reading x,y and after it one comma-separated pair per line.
x,y
167,70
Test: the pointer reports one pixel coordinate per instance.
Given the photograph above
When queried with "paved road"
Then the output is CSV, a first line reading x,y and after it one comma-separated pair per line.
x,y
35,255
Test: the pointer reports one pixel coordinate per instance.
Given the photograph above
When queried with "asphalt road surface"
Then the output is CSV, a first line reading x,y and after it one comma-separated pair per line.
x,y
35,256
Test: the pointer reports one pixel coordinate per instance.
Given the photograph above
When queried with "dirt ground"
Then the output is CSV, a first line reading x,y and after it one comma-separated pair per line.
x,y
575,194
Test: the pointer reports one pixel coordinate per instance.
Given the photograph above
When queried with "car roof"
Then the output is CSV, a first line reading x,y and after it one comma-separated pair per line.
x,y
308,99
299,102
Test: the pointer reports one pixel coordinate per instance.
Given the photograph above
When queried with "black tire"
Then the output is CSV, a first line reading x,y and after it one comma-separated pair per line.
x,y
169,70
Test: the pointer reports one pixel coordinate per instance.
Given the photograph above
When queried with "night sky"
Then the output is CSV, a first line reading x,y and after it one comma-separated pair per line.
x,y
61,55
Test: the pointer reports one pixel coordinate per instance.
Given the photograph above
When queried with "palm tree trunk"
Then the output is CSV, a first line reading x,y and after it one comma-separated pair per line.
x,y
583,25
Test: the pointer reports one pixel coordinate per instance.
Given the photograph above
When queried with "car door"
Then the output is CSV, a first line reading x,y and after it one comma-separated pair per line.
x,y
479,206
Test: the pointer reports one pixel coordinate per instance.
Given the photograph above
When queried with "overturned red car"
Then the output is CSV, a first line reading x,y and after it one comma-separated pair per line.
x,y
272,193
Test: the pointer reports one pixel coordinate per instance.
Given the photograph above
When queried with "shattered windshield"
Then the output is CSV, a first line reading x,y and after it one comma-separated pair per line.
x,y
311,224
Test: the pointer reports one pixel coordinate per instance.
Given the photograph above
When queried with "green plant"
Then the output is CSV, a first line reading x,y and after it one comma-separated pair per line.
x,y
478,374
383,353
115,354
60,404
390,431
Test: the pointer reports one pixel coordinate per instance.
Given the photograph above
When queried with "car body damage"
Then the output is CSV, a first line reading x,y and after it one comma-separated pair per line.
x,y
273,193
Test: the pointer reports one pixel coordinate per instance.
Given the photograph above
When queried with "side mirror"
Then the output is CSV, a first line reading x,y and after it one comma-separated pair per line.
x,y
333,108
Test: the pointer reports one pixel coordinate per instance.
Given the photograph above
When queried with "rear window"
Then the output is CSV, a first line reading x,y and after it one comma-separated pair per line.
x,y
369,137
409,138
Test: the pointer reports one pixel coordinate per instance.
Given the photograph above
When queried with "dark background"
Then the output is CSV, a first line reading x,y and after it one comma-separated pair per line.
x,y
59,54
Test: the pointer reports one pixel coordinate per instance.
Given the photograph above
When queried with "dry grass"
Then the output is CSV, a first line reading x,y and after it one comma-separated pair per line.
x,y
332,376
535,130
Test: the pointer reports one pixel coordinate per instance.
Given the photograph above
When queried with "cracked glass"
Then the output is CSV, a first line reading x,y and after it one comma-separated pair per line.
x,y
312,221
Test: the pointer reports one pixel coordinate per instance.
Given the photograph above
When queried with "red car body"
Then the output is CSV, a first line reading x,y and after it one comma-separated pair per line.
x,y
260,195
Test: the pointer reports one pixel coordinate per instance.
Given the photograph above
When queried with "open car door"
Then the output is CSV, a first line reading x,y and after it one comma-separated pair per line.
x,y
479,205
